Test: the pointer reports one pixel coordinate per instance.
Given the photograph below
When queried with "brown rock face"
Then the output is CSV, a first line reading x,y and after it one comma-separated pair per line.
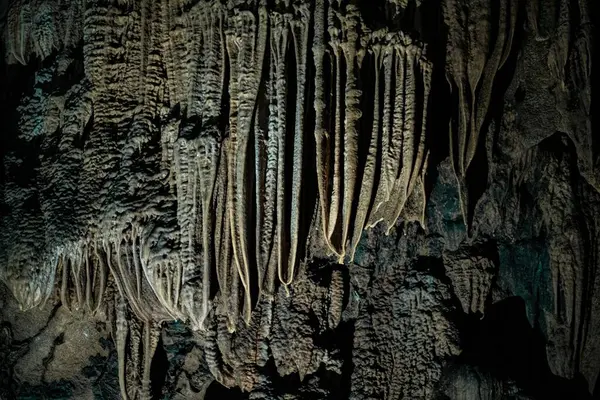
x,y
287,199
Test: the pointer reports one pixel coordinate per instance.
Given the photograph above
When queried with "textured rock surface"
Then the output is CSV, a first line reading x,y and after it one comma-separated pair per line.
x,y
291,199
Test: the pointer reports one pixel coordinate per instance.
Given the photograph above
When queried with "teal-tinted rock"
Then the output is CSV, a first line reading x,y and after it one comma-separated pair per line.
x,y
525,272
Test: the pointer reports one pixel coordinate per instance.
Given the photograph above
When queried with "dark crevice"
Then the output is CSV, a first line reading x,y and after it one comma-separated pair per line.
x,y
158,370
216,391
505,344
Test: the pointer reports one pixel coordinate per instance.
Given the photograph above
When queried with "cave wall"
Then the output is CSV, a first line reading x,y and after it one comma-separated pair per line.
x,y
291,199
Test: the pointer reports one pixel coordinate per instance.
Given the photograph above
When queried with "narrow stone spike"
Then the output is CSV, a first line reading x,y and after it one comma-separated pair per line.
x,y
76,268
279,44
231,267
408,134
168,282
532,8
188,206
263,167
102,273
418,166
235,55
234,298
399,127
352,115
421,183
267,237
122,329
271,276
409,131
559,51
88,281
123,276
18,22
222,234
64,284
251,58
385,182
336,194
136,264
209,161
321,136
260,168
300,30
258,61
396,192
107,250
387,161
478,39
147,360
485,92
368,181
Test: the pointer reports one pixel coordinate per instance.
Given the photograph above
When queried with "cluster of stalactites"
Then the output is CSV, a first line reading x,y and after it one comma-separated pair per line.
x,y
238,182
241,200
233,194
39,27
371,151
84,271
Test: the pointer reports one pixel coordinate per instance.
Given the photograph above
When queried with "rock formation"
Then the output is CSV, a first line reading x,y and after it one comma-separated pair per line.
x,y
301,199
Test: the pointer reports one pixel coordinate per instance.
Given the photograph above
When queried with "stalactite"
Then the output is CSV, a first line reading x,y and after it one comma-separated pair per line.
x,y
268,247
351,117
232,269
98,286
209,161
300,30
226,272
233,51
368,177
337,139
19,20
321,136
385,182
279,45
63,267
250,36
122,329
471,72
